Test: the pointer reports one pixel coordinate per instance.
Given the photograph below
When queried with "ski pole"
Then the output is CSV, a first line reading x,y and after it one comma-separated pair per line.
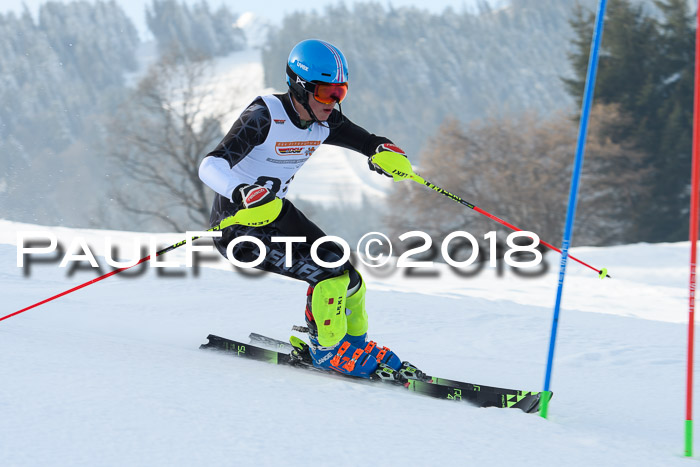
x,y
248,217
400,168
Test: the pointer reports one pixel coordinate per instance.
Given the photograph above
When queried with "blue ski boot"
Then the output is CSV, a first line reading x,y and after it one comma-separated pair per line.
x,y
382,354
357,329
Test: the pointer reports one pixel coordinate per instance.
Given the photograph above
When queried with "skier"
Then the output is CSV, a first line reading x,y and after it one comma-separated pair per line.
x,y
255,163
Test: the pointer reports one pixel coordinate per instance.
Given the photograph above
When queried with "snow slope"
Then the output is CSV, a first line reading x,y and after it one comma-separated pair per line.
x,y
112,374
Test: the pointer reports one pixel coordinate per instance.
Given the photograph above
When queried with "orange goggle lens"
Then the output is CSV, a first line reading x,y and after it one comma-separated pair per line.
x,y
330,93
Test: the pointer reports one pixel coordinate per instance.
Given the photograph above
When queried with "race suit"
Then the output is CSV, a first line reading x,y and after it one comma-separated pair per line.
x,y
266,146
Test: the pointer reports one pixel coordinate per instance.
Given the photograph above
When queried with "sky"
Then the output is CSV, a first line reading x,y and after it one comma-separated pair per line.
x,y
273,10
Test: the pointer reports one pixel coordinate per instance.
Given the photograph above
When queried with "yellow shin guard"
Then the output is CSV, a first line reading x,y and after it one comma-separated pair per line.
x,y
328,306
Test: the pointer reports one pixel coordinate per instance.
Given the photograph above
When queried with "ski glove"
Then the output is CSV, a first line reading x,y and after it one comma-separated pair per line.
x,y
250,196
384,147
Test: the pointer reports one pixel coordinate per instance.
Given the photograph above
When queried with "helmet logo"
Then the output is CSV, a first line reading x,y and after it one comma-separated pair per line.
x,y
302,82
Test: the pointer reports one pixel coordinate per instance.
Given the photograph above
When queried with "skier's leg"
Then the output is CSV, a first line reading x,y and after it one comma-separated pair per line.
x,y
328,305
326,314
328,325
356,313
357,326
290,223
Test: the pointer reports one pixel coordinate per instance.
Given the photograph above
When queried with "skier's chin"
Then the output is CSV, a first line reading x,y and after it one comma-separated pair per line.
x,y
324,114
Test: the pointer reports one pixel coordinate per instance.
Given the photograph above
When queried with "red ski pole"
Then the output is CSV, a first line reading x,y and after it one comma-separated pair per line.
x,y
401,169
268,211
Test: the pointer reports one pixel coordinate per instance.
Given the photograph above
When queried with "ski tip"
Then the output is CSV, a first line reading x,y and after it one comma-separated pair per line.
x,y
542,403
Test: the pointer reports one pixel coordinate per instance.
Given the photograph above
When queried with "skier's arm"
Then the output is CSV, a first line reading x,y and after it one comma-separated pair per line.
x,y
346,134
249,130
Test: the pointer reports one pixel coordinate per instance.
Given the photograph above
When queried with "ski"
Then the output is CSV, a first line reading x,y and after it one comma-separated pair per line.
x,y
528,398
275,344
439,388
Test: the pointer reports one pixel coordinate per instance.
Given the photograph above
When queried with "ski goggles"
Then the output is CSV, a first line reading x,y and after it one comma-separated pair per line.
x,y
330,93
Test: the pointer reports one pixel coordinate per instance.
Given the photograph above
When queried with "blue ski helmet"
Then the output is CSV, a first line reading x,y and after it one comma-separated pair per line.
x,y
312,62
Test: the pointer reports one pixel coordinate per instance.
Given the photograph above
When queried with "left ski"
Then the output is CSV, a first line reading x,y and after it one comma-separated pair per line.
x,y
439,388
275,344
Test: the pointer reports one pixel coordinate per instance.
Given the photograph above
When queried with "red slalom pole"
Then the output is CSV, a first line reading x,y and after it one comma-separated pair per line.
x,y
694,205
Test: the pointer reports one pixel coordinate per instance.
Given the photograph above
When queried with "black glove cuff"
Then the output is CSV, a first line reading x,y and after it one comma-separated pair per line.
x,y
236,196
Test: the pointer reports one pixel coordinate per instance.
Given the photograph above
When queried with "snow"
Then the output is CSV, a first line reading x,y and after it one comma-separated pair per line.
x,y
112,374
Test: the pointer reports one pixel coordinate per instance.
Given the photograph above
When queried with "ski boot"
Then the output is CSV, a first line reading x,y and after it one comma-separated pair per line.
x,y
329,347
358,324
383,354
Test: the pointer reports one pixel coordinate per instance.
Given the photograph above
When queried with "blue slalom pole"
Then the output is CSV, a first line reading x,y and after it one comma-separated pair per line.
x,y
573,193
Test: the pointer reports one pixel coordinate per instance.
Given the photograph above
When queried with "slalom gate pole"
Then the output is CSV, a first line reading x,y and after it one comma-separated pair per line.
x,y
244,216
573,193
694,206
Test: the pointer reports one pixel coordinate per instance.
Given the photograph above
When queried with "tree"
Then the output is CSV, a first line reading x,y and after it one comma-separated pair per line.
x,y
410,68
626,64
59,75
194,31
158,141
671,142
519,169
646,66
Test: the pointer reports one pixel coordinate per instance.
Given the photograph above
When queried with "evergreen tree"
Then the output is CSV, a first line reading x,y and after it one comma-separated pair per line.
x,y
626,68
646,66
672,139
410,69
58,75
193,33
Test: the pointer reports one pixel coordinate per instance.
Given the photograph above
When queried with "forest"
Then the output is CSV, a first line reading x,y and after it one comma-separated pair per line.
x,y
484,102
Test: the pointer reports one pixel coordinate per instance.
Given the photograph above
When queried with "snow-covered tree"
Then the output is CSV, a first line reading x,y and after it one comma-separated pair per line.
x,y
194,32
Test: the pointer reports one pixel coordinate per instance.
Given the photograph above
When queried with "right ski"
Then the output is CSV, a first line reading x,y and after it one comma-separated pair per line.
x,y
482,396
479,394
